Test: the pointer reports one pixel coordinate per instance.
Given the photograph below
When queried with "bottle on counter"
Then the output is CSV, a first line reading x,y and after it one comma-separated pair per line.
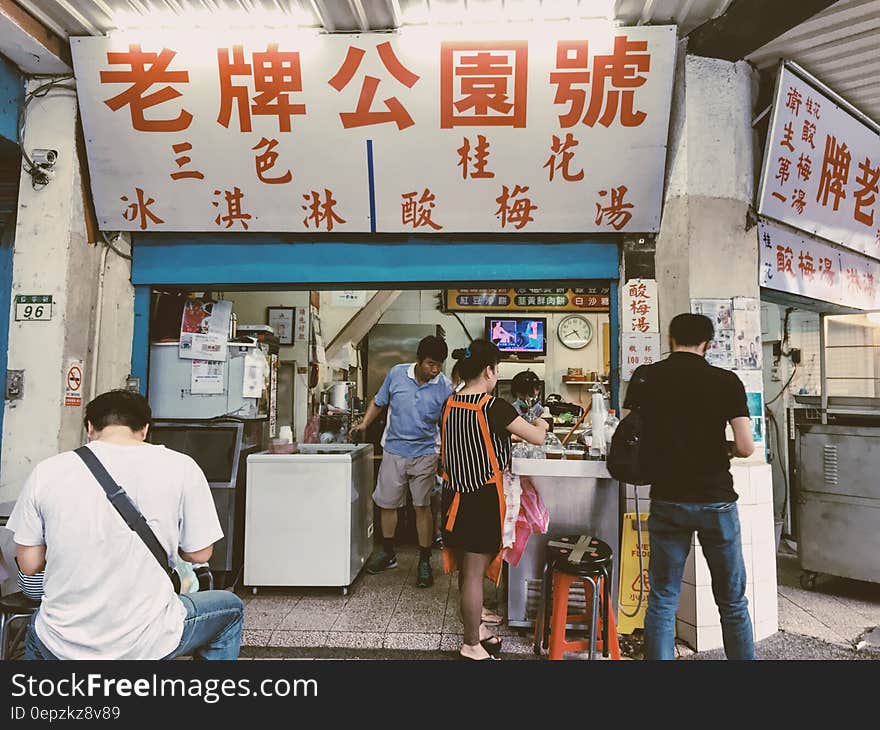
x,y
611,422
598,414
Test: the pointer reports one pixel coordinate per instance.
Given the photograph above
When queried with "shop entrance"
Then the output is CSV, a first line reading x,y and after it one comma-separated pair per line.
x,y
342,313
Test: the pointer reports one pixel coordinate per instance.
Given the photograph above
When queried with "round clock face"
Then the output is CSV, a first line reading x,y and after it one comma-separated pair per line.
x,y
575,332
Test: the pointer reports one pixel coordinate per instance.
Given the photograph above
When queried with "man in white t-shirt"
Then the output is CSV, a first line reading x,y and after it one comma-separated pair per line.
x,y
105,594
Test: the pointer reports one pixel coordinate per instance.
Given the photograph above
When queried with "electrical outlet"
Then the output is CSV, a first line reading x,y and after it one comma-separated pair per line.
x,y
14,384
774,375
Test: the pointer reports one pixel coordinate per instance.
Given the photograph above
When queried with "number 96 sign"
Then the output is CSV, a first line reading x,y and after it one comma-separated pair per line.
x,y
33,307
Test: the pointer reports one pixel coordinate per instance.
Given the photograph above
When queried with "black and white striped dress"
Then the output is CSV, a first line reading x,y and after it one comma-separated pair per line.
x,y
468,471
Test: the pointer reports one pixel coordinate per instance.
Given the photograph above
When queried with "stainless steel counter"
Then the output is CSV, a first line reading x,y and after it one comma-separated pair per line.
x,y
581,498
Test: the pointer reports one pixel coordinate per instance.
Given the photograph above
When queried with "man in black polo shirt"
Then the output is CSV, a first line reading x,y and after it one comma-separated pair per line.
x,y
686,405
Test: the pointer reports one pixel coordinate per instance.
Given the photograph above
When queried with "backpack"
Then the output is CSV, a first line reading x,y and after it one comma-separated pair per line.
x,y
624,460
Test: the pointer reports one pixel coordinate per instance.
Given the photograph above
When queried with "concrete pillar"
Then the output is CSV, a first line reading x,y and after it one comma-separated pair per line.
x,y
706,248
53,256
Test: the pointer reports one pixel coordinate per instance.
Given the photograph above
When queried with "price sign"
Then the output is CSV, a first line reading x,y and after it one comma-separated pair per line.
x,y
33,307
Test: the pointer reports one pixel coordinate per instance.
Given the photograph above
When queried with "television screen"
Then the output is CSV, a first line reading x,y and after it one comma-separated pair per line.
x,y
520,335
213,449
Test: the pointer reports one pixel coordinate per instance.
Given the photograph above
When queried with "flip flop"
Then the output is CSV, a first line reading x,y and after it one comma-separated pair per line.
x,y
491,657
493,647
490,617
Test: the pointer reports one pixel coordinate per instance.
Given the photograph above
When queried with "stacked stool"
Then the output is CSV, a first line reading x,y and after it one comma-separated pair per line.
x,y
572,559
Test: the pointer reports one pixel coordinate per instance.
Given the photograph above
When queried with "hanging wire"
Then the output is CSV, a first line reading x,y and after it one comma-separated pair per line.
x,y
39,173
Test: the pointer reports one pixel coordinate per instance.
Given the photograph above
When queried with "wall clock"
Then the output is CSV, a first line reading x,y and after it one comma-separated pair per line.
x,y
575,332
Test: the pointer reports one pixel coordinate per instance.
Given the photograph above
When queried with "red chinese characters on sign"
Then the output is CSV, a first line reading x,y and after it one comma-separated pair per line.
x,y
265,161
145,71
140,209
793,100
232,199
474,165
320,213
561,157
866,194
805,265
364,115
183,161
827,274
483,84
798,201
835,172
416,211
784,257
277,75
514,207
617,211
788,135
613,80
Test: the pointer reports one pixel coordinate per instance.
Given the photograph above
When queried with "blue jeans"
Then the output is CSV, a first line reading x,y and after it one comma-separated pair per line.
x,y
211,630
671,526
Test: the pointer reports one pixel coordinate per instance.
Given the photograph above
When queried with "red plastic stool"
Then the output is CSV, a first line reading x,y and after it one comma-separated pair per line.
x,y
585,559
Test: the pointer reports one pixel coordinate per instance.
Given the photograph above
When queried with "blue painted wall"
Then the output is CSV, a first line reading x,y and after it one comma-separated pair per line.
x,y
11,99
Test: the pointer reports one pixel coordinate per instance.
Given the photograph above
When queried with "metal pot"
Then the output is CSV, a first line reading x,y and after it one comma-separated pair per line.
x,y
339,395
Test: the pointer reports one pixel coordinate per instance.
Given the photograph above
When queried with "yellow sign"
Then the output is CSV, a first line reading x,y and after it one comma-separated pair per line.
x,y
579,299
630,578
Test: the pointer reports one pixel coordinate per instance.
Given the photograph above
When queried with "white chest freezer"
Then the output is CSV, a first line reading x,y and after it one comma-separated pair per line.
x,y
308,516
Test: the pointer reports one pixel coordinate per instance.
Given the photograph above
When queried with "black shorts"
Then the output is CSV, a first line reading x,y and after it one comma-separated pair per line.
x,y
477,526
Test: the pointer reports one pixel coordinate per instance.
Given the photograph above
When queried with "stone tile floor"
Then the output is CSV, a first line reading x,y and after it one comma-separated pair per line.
x,y
386,616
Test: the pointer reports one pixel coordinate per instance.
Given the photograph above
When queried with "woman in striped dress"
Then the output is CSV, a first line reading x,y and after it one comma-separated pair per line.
x,y
475,450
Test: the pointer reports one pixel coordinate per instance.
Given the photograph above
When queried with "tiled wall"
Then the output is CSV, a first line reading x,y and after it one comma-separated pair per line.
x,y
697,622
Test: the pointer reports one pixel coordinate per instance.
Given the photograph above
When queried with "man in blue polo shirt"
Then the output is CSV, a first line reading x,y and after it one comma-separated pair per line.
x,y
414,394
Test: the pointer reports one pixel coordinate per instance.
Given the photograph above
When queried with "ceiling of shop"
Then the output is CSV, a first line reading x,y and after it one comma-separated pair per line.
x,y
839,45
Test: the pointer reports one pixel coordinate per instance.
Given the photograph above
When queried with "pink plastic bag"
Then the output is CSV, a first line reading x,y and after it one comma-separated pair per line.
x,y
533,518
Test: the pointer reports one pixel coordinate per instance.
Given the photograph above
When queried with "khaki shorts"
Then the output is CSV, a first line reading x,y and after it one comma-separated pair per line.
x,y
396,472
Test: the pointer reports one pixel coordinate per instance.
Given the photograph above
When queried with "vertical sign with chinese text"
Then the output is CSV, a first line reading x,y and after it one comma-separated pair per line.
x,y
822,167
520,129
640,311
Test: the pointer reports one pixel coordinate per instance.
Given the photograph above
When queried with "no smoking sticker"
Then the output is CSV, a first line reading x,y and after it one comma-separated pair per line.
x,y
73,383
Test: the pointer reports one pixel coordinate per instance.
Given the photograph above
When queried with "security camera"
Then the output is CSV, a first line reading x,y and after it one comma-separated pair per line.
x,y
44,158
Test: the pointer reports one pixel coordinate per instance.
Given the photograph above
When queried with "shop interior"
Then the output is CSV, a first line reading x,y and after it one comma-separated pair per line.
x,y
822,412
310,361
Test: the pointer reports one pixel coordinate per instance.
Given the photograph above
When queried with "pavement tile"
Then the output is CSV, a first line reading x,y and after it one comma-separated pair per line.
x,y
309,620
367,621
256,617
255,637
419,642
298,638
416,623
794,619
355,639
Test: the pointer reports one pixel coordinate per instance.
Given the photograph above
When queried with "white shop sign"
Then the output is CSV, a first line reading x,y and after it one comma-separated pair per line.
x,y
797,264
557,127
821,167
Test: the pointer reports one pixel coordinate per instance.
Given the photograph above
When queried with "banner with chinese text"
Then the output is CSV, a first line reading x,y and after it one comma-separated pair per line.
x,y
811,268
546,128
641,310
821,168
579,299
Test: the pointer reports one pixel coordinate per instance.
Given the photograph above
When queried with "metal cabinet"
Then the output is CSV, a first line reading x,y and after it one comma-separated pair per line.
x,y
838,501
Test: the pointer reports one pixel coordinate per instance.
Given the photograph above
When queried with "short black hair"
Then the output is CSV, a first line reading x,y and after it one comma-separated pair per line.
x,y
689,330
118,408
525,383
433,347
476,357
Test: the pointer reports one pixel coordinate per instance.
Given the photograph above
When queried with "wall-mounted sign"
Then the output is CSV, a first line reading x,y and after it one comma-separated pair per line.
x,y
33,307
638,348
641,312
821,167
579,299
73,383
798,264
546,127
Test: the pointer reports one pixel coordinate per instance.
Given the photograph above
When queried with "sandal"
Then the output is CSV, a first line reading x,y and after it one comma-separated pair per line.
x,y
491,657
490,617
491,644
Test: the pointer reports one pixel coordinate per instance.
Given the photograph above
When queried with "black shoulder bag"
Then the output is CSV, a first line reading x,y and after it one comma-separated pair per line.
x,y
129,512
624,459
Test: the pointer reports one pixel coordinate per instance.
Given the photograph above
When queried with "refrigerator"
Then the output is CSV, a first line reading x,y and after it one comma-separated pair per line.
x,y
308,516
